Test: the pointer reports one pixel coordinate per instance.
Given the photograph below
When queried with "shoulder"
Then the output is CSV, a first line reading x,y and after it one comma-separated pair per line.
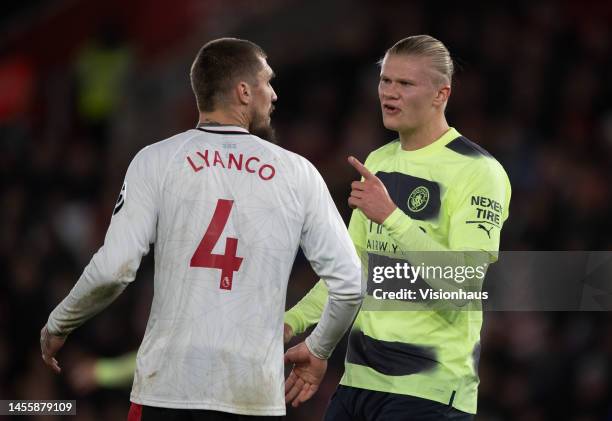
x,y
468,166
465,147
304,178
285,157
152,161
163,150
475,160
487,171
169,145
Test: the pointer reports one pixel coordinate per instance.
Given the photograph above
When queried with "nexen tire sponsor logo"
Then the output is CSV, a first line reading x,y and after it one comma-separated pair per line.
x,y
487,209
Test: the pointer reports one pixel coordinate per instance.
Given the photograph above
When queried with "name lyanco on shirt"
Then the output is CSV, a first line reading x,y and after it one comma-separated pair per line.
x,y
235,162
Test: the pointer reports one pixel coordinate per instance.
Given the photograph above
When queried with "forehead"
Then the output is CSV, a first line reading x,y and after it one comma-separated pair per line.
x,y
266,70
406,66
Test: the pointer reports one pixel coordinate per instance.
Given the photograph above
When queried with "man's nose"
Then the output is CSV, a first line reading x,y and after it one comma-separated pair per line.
x,y
388,91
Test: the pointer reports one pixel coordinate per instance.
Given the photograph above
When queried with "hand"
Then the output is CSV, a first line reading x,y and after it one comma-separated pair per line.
x,y
370,195
50,345
287,334
306,376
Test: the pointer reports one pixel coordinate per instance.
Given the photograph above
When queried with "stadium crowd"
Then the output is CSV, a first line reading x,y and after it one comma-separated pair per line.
x,y
533,86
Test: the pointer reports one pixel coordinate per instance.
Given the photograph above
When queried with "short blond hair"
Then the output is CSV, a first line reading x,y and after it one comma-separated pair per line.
x,y
426,46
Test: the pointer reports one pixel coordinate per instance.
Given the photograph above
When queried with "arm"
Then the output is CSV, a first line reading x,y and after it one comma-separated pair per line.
x,y
468,245
113,372
487,181
308,310
91,373
114,266
335,300
328,247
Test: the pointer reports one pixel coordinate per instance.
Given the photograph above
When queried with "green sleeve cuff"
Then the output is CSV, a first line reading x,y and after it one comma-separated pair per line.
x,y
397,223
294,321
115,372
308,311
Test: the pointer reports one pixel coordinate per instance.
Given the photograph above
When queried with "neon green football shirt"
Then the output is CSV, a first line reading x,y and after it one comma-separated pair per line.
x,y
451,197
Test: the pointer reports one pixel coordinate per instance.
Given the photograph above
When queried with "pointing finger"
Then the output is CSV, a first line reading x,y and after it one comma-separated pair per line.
x,y
361,169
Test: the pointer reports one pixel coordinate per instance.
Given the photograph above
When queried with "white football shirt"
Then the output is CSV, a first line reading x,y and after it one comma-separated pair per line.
x,y
227,212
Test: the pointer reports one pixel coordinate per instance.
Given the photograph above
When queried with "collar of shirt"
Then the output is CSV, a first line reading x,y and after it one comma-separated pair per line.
x,y
221,128
450,135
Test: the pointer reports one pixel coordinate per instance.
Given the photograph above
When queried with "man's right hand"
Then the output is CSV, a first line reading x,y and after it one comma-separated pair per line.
x,y
49,346
287,334
306,376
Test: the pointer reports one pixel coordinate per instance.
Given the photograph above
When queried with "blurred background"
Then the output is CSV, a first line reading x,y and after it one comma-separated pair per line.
x,y
85,84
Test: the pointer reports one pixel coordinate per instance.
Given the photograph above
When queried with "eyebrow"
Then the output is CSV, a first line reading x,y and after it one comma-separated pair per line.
x,y
382,75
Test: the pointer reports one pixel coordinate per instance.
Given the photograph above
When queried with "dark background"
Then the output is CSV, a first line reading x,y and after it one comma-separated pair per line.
x,y
85,85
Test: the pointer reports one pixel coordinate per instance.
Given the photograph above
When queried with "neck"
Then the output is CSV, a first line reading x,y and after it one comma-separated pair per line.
x,y
420,137
224,117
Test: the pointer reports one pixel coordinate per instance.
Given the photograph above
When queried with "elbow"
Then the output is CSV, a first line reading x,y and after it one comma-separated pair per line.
x,y
111,275
347,285
126,273
359,297
357,291
362,291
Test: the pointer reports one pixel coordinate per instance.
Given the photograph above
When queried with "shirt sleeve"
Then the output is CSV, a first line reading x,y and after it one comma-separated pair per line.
x,y
131,231
480,199
115,372
307,311
479,207
469,245
328,247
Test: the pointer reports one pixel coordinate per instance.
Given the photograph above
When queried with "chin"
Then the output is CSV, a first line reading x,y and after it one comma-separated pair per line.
x,y
390,125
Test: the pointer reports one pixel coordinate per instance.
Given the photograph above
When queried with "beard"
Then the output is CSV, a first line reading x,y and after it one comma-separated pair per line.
x,y
260,126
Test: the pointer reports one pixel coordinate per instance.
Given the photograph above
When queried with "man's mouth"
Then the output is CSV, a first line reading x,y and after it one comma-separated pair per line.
x,y
390,109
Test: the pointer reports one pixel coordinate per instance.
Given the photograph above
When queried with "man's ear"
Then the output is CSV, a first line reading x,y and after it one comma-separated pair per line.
x,y
442,95
243,92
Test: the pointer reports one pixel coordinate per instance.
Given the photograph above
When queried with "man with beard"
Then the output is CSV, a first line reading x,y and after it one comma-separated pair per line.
x,y
227,211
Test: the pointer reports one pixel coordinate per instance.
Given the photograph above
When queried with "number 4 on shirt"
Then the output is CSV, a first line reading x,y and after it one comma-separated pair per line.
x,y
204,257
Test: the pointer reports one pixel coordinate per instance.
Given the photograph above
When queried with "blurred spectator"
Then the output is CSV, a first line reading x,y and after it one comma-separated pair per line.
x,y
535,80
17,86
102,70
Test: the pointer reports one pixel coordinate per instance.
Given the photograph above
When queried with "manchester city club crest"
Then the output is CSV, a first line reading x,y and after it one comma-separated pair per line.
x,y
418,199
